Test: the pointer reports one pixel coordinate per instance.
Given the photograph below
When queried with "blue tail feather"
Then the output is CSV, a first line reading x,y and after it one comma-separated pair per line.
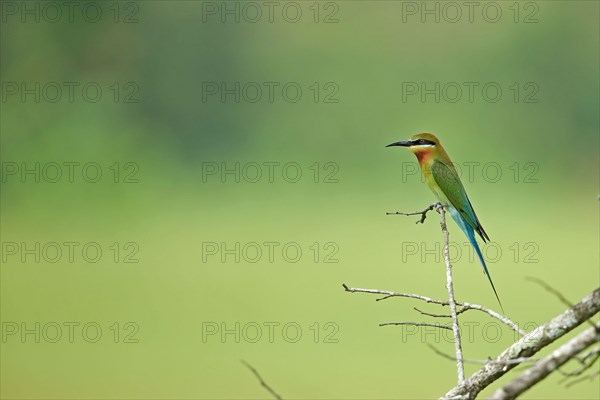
x,y
470,233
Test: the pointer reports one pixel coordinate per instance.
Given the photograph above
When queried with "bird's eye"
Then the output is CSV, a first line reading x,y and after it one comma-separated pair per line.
x,y
421,141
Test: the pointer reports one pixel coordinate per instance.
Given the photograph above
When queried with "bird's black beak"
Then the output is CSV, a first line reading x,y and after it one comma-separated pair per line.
x,y
403,143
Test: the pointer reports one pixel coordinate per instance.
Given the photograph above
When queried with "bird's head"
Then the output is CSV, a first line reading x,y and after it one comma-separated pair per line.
x,y
420,144
423,145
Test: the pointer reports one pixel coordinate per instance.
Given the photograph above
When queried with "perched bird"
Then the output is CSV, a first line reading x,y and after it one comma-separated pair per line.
x,y
443,180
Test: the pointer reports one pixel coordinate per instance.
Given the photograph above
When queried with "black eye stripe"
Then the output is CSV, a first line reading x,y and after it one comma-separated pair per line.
x,y
422,141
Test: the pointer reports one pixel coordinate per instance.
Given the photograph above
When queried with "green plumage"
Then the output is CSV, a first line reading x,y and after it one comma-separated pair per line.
x,y
447,179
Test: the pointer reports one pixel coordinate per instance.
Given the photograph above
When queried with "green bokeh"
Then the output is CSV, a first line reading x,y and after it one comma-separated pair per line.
x,y
541,212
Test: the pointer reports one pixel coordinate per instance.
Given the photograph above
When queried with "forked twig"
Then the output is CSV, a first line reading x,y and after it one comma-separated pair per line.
x,y
423,213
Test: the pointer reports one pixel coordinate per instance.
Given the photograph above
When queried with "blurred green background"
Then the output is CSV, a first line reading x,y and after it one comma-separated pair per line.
x,y
157,64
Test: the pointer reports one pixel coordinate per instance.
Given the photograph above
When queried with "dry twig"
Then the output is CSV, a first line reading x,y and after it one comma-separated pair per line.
x,y
423,213
262,381
464,305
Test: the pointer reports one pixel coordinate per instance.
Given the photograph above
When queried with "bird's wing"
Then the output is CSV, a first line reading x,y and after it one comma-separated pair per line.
x,y
447,179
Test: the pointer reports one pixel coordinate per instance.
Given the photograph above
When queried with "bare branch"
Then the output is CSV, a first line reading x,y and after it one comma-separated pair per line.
x,y
467,306
416,324
439,207
462,310
484,362
423,213
460,367
528,345
389,294
494,314
261,380
548,364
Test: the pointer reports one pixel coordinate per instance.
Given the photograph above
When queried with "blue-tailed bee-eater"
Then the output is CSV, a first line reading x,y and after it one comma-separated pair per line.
x,y
443,180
